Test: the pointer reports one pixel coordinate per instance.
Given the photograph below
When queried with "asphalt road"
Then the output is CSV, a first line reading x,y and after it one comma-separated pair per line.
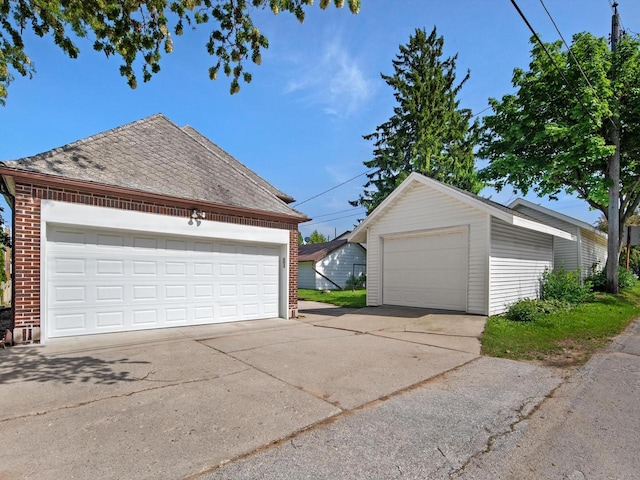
x,y
429,432
489,419
588,429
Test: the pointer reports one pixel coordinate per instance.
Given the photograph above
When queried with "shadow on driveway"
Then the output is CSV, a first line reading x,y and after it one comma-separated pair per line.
x,y
28,365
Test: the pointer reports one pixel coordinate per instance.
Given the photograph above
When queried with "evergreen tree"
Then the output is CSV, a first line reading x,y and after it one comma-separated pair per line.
x,y
428,133
317,237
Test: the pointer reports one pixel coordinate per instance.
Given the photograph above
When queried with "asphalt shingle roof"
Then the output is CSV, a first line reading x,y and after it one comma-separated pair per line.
x,y
315,252
154,155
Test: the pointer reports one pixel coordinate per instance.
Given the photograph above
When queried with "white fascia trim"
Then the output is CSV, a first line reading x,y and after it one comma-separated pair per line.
x,y
558,215
103,217
541,227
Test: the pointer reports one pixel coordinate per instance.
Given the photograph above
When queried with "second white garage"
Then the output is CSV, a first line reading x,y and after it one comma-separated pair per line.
x,y
435,246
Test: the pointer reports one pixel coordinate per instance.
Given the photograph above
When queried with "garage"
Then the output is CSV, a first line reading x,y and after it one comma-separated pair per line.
x,y
426,270
101,281
109,271
148,225
432,245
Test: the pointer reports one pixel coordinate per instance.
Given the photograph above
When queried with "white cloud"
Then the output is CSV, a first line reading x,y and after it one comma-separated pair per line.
x,y
332,79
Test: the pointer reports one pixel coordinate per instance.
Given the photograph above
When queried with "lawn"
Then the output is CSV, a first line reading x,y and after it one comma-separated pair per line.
x,y
341,298
567,338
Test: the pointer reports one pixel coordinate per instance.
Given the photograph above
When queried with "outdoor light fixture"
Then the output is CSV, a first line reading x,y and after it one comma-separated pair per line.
x,y
197,214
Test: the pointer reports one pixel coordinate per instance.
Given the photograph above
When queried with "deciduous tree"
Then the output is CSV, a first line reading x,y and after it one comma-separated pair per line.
x,y
553,134
140,31
428,131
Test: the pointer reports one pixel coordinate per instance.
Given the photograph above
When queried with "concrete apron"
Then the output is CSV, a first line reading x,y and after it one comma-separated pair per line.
x,y
173,403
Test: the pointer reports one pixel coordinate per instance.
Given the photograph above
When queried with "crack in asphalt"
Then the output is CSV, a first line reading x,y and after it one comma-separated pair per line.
x,y
520,417
121,395
327,421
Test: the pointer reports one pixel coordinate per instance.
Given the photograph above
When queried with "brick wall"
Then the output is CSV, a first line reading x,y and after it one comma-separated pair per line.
x,y
27,245
293,273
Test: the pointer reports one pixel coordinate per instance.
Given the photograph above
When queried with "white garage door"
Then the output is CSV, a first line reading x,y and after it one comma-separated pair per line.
x,y
100,281
428,271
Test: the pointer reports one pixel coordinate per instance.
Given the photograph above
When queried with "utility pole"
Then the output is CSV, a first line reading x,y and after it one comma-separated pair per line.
x,y
613,244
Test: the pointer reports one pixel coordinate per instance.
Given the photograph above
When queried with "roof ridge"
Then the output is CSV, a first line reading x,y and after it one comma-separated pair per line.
x,y
91,138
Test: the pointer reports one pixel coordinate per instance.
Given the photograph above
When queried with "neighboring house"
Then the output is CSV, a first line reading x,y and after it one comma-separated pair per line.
x,y
148,225
589,249
328,266
435,246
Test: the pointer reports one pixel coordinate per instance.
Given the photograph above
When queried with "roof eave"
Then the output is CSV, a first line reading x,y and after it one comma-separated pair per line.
x,y
64,182
541,227
359,233
558,215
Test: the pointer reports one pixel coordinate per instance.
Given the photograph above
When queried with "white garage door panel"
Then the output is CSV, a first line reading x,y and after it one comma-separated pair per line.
x,y
428,271
99,281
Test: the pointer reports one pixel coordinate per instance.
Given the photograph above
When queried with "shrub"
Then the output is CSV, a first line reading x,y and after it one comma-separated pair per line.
x,y
529,310
524,310
563,286
598,279
356,283
549,307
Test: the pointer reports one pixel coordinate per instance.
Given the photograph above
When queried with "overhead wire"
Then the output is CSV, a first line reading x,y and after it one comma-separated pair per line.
x,y
337,218
332,213
359,175
569,49
553,62
333,188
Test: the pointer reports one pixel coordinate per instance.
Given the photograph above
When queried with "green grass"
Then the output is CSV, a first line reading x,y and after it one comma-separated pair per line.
x,y
566,338
341,298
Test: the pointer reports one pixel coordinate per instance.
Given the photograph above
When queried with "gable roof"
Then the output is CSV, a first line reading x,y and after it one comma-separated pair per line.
x,y
314,252
494,209
154,155
560,216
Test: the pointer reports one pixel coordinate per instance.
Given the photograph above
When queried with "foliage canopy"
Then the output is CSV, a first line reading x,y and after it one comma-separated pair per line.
x,y
140,31
553,137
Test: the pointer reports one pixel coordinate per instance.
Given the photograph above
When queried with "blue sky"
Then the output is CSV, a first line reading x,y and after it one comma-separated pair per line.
x,y
300,122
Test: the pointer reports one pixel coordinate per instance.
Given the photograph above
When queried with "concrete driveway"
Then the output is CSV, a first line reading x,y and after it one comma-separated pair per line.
x,y
175,403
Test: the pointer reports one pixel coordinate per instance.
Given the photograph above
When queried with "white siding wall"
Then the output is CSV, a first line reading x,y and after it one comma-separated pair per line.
x,y
518,259
564,251
306,276
422,209
339,265
593,249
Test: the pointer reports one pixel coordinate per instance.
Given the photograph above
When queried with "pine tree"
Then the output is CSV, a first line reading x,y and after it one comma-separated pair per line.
x,y
317,237
428,133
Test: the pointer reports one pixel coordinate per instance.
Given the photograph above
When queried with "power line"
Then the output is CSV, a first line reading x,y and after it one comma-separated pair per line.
x,y
481,111
337,218
332,213
360,174
569,49
553,62
333,188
